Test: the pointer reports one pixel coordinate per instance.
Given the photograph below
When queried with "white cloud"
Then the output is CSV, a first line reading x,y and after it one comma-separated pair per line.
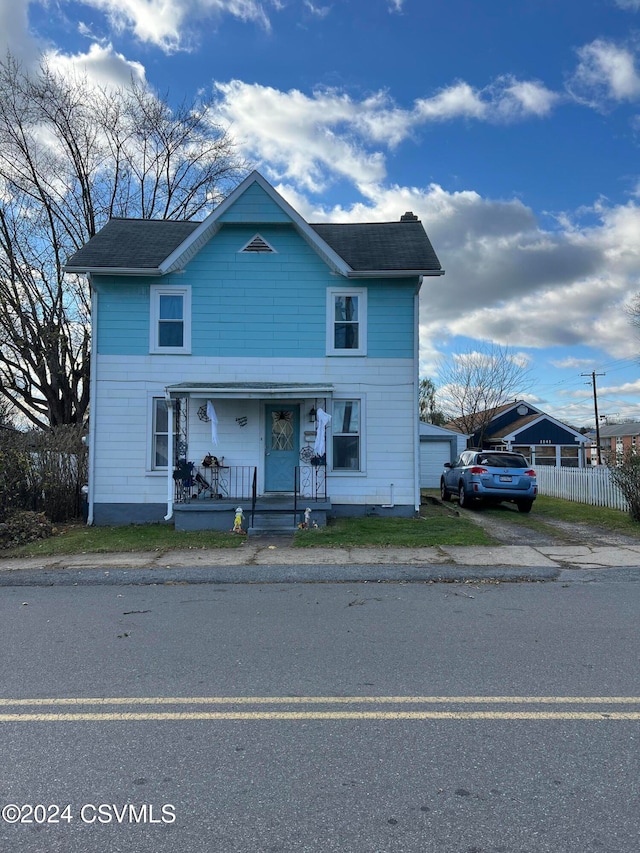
x,y
300,137
308,138
101,65
521,98
507,279
15,35
606,72
572,363
318,11
631,5
506,99
169,24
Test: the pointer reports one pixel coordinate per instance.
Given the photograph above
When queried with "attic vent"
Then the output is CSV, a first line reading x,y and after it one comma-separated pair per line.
x,y
409,216
258,244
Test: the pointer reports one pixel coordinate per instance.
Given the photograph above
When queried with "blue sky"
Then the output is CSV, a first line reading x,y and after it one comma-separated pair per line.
x,y
512,128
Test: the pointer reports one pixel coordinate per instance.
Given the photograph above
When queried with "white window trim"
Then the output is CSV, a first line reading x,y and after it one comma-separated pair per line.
x,y
158,290
151,468
361,293
346,472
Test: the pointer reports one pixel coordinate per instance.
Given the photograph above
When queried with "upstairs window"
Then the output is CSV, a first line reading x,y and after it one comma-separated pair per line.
x,y
170,320
347,322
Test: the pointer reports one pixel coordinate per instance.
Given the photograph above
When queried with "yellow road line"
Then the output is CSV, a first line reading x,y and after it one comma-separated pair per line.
x,y
320,715
324,700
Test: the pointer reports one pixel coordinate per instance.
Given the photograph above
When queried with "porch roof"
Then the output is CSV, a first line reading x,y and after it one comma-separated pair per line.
x,y
249,390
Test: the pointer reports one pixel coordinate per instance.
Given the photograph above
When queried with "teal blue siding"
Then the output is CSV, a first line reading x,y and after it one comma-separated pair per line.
x,y
123,316
262,305
254,205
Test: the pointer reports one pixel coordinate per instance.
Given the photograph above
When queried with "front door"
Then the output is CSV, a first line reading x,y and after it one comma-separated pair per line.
x,y
282,446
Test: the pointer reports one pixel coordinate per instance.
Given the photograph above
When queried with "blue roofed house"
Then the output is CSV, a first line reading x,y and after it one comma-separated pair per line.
x,y
253,360
522,427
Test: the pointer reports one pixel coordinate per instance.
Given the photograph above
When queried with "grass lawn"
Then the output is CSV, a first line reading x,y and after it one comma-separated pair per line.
x,y
80,539
437,525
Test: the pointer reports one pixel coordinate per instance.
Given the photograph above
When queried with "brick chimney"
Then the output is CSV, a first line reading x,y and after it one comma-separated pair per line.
x,y
409,216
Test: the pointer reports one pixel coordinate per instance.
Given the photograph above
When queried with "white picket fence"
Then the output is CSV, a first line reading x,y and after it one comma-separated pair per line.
x,y
590,485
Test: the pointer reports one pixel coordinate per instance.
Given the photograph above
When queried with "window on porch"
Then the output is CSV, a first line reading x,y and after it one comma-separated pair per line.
x,y
346,435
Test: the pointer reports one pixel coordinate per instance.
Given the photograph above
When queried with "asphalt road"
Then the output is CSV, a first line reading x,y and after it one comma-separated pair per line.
x,y
360,718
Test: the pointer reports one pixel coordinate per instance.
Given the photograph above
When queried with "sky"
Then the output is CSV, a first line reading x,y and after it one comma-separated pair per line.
x,y
510,127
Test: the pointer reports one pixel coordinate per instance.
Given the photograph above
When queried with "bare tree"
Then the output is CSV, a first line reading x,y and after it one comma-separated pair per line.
x,y
476,382
72,155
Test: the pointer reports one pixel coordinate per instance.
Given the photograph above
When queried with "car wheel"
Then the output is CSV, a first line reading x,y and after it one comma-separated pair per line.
x,y
464,501
445,494
525,506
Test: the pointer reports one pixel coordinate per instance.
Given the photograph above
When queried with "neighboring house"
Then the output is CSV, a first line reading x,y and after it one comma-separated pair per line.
x,y
437,446
253,337
522,427
615,440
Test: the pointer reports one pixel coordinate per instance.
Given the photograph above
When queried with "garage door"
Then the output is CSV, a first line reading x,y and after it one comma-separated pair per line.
x,y
433,455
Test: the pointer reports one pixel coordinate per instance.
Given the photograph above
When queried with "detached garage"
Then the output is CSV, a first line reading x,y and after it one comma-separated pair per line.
x,y
437,446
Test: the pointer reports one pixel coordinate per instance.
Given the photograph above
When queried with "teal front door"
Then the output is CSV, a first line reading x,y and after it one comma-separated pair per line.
x,y
282,446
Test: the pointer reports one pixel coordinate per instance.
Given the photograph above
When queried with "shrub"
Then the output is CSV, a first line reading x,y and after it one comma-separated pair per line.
x,y
23,526
14,476
625,473
43,472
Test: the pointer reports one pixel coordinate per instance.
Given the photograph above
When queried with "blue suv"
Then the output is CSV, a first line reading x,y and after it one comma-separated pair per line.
x,y
490,476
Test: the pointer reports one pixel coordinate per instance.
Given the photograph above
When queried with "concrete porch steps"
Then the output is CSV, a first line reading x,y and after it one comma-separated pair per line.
x,y
273,523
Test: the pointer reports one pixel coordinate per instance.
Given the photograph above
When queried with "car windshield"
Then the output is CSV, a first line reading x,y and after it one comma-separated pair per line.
x,y
502,460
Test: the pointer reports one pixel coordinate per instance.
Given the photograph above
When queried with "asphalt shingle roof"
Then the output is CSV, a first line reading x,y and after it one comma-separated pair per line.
x,y
618,430
381,245
132,244
146,243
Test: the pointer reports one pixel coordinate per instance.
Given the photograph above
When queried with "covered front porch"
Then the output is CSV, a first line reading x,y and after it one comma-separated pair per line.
x,y
255,446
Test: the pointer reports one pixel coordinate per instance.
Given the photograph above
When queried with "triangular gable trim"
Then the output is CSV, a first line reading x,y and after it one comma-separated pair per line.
x,y
503,411
211,225
543,416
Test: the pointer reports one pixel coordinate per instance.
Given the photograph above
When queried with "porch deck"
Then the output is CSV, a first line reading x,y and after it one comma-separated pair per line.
x,y
274,513
207,499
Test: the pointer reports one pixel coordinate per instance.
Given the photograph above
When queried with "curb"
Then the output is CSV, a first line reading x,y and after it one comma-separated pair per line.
x,y
277,574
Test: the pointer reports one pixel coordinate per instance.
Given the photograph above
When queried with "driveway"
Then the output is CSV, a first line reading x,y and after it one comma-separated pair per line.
x,y
503,524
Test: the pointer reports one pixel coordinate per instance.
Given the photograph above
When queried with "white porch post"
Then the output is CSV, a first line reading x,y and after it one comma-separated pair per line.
x,y
170,459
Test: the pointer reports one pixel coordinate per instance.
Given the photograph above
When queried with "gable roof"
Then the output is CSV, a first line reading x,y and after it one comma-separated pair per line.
x,y
476,420
510,429
381,245
131,244
158,247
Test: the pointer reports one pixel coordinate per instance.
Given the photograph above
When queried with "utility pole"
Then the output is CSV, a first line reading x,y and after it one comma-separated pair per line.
x,y
593,375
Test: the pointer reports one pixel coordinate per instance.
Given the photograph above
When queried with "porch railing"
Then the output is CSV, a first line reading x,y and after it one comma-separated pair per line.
x,y
311,482
239,482
199,482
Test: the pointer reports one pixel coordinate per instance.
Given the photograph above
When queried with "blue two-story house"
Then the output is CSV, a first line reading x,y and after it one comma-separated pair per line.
x,y
251,360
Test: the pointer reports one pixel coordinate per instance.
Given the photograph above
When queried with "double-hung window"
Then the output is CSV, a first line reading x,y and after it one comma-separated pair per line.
x,y
159,434
347,321
345,429
170,319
